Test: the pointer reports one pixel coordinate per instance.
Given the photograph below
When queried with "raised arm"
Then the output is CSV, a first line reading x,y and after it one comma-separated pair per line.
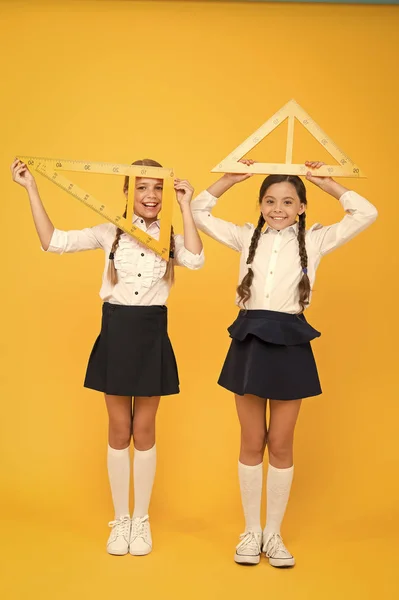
x,y
359,214
184,194
222,231
52,239
43,224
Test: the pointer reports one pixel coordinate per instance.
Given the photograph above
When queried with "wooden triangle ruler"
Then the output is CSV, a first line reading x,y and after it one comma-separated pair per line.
x,y
51,168
291,111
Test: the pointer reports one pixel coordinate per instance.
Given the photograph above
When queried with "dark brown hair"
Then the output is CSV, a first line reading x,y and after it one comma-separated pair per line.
x,y
112,272
244,289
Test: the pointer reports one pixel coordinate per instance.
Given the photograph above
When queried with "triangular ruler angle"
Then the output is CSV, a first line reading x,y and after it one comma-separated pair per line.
x,y
51,169
291,111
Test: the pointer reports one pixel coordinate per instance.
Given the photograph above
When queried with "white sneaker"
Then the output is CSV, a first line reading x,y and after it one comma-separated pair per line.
x,y
276,552
140,536
118,541
248,550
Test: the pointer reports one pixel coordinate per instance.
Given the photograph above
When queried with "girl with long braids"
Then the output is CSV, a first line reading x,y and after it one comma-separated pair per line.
x,y
132,357
270,357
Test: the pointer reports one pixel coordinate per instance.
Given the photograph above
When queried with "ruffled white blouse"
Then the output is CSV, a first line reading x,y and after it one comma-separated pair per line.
x,y
140,271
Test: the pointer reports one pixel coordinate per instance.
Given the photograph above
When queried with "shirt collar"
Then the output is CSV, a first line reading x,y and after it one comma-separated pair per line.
x,y
292,229
139,221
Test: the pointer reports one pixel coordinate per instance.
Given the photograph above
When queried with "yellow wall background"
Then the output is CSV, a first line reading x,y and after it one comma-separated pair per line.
x,y
185,83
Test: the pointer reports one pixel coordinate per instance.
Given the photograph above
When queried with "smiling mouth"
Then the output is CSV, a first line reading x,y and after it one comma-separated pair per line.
x,y
150,204
278,218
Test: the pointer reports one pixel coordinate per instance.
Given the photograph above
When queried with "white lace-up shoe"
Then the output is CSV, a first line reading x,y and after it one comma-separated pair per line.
x,y
118,541
276,552
249,549
140,537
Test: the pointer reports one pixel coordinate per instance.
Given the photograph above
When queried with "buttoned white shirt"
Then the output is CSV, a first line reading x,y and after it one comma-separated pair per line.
x,y
276,265
140,271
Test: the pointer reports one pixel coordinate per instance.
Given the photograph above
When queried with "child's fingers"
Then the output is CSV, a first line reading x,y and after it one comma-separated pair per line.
x,y
179,183
17,173
20,170
184,185
314,164
15,166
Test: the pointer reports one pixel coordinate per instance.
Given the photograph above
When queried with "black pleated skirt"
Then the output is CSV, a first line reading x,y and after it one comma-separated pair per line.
x,y
270,356
133,355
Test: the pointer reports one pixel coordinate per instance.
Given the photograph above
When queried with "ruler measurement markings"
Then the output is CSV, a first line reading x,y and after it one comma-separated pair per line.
x,y
346,168
40,165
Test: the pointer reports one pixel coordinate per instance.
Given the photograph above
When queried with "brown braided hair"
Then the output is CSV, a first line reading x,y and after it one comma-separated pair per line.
x,y
112,272
304,284
244,289
170,268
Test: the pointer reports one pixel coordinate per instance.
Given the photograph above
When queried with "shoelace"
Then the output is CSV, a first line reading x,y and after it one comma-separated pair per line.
x,y
140,527
275,546
122,526
249,541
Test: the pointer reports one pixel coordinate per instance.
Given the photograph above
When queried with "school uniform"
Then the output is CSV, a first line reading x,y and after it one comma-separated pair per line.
x,y
270,353
132,355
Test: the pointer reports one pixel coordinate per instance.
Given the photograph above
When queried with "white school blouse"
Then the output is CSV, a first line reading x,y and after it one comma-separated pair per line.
x,y
276,266
140,271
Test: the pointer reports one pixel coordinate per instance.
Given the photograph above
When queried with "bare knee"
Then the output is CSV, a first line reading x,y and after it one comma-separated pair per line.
x,y
280,450
253,442
143,434
120,433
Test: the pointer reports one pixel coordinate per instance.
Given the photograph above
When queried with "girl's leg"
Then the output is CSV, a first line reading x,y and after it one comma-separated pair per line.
x,y
251,412
144,466
119,435
144,415
283,418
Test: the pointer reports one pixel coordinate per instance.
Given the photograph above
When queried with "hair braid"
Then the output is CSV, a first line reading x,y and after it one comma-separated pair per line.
x,y
304,284
244,289
170,269
112,273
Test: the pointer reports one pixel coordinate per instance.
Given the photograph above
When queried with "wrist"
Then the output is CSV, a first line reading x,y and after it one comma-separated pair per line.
x,y
228,178
31,188
333,188
185,206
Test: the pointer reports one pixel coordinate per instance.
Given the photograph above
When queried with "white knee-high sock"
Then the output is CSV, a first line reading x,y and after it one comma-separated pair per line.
x,y
119,478
278,491
144,466
250,478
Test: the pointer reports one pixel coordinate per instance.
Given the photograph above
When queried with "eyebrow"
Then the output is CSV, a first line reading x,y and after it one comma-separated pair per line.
x,y
285,197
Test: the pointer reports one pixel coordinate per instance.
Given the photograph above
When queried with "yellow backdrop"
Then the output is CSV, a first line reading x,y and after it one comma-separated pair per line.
x,y
184,83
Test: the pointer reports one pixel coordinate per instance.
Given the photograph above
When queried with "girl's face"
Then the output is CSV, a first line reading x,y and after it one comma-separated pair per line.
x,y
147,198
281,205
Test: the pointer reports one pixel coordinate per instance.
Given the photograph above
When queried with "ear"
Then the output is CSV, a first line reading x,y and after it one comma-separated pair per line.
x,y
126,192
302,209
